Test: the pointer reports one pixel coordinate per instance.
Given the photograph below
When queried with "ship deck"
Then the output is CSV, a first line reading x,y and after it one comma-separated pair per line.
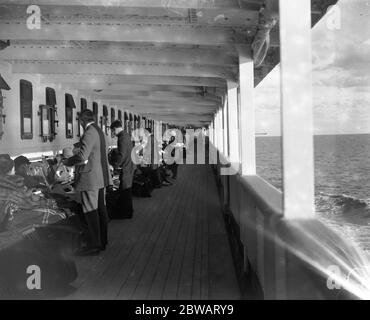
x,y
175,247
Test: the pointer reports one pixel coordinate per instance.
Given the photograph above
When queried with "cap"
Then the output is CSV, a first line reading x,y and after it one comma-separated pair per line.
x,y
67,153
116,124
20,161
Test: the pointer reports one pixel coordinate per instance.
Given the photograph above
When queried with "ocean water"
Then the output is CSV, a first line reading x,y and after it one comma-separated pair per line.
x,y
342,181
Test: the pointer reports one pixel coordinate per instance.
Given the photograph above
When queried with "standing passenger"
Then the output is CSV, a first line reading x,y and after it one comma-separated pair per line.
x,y
124,206
92,179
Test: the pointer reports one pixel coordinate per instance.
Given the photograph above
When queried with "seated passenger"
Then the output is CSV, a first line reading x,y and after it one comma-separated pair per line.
x,y
21,164
15,197
64,174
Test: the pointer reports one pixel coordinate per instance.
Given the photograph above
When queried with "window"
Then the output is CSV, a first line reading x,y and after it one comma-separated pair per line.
x,y
2,115
51,103
83,106
45,113
112,115
26,97
3,86
130,124
95,111
70,105
104,120
120,115
135,121
125,121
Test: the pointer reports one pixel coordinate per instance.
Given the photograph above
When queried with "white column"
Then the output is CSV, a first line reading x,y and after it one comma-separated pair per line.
x,y
211,131
232,99
297,115
225,127
220,131
247,115
158,126
212,149
216,130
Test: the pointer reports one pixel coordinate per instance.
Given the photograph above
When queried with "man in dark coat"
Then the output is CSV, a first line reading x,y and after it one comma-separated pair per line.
x,y
92,179
124,208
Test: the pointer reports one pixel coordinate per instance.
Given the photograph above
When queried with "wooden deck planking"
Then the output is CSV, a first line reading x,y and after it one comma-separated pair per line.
x,y
167,250
156,272
159,282
131,233
186,276
221,278
148,260
129,267
171,285
204,268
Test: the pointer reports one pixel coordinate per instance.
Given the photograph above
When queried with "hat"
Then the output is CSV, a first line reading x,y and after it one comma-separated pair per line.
x,y
116,124
6,163
67,153
20,161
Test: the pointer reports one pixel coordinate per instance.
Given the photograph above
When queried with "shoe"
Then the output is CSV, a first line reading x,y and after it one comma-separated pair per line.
x,y
88,251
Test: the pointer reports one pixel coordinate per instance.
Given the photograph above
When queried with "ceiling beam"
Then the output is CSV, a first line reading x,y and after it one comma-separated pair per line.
x,y
154,95
170,4
177,116
177,80
200,110
154,16
78,31
65,67
134,88
111,53
141,101
164,106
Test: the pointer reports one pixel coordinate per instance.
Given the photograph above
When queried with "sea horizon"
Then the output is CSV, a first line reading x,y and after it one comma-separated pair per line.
x,y
264,135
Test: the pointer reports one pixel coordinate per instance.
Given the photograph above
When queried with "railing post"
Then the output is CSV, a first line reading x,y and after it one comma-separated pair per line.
x,y
232,97
297,115
247,115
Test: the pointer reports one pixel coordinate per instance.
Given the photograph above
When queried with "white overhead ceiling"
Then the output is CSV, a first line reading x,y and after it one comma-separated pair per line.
x,y
165,59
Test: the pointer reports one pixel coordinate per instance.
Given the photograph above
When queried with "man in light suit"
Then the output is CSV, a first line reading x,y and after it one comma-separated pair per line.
x,y
124,208
92,179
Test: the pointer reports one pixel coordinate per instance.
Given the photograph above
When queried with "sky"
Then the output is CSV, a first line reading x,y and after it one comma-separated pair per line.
x,y
341,75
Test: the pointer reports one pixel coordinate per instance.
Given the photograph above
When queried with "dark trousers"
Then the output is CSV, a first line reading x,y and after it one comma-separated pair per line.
x,y
124,207
96,216
103,217
173,168
153,174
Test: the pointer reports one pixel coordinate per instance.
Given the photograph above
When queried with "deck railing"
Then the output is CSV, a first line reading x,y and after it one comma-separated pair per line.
x,y
291,257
